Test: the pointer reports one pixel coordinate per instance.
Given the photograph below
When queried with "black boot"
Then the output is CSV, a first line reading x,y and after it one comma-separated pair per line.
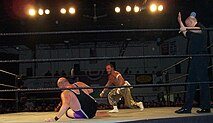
x,y
204,111
183,111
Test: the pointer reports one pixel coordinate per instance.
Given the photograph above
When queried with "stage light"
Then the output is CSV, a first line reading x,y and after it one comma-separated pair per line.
x,y
63,11
128,8
32,12
47,11
136,9
160,8
72,10
40,11
153,7
117,9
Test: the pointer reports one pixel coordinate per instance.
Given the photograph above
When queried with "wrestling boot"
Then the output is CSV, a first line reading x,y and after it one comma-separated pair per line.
x,y
204,111
115,110
140,105
183,111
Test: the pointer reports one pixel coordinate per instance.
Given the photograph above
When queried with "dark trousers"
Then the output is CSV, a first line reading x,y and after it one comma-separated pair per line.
x,y
198,72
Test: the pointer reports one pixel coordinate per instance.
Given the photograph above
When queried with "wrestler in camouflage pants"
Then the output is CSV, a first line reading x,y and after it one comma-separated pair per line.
x,y
117,93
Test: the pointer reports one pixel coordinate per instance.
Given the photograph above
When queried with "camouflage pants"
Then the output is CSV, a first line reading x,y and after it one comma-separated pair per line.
x,y
117,93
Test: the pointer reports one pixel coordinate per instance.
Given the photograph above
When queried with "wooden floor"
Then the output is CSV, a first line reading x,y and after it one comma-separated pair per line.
x,y
124,115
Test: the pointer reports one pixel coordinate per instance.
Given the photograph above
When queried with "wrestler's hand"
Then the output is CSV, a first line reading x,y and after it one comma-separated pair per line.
x,y
182,29
101,94
179,17
118,91
49,120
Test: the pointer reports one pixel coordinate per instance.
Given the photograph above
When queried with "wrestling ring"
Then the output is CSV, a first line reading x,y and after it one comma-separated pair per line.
x,y
149,115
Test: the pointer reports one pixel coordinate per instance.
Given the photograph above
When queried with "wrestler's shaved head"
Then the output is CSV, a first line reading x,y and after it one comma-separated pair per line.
x,y
62,82
191,21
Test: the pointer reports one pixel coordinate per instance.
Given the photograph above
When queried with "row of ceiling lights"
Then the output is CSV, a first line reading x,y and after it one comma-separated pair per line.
x,y
153,8
136,9
33,12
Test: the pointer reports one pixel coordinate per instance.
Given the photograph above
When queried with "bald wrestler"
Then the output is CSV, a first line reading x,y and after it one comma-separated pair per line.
x,y
76,103
116,79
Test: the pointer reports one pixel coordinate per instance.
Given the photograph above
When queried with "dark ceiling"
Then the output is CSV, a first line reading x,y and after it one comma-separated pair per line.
x,y
12,19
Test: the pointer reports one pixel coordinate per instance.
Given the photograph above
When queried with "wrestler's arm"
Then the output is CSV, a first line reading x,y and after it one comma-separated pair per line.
x,y
184,29
182,26
194,29
107,84
65,105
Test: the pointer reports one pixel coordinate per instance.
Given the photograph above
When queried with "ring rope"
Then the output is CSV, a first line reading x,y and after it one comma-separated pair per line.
x,y
210,66
8,86
95,31
104,58
3,71
176,78
211,45
70,76
54,77
179,62
2,99
187,91
42,99
109,87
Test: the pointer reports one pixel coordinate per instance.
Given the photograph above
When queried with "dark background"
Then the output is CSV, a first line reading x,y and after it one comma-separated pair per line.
x,y
13,19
